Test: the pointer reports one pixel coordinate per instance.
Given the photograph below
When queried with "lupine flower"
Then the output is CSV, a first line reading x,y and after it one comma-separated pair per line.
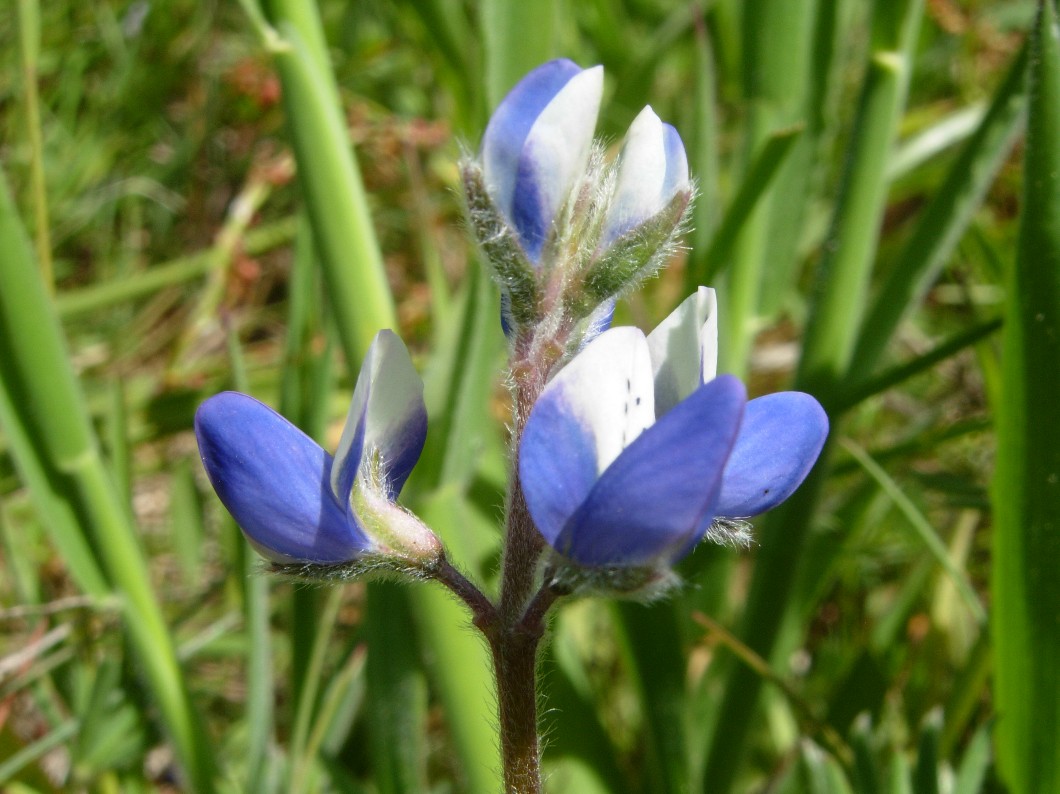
x,y
635,447
537,145
297,504
544,204
652,169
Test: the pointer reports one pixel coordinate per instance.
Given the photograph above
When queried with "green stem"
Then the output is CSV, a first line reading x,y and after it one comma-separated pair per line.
x,y
29,39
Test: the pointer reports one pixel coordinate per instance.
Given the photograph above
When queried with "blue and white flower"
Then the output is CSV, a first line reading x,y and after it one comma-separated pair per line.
x,y
536,146
297,504
536,151
564,231
636,447
652,170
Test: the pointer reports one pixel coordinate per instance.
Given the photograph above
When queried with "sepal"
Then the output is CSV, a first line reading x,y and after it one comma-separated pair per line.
x,y
368,567
505,257
635,256
638,583
394,531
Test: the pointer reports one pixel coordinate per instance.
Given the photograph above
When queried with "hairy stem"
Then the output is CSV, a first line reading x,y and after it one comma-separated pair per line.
x,y
515,637
515,662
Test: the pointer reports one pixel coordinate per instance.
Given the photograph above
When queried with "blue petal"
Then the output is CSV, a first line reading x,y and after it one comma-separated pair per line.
x,y
676,162
652,168
274,481
502,143
684,349
597,405
554,157
781,436
659,494
387,417
507,321
598,321
557,465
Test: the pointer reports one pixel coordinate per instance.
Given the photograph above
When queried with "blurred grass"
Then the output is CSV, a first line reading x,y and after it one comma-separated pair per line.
x,y
162,191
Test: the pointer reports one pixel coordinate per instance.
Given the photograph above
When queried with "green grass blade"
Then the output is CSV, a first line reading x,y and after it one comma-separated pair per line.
x,y
923,529
703,154
779,52
517,36
1026,542
843,275
100,296
764,168
457,387
301,763
570,719
45,485
35,351
820,773
29,48
867,773
652,648
926,772
965,699
186,522
461,667
330,179
898,374
397,691
943,221
17,761
841,285
974,764
924,146
899,776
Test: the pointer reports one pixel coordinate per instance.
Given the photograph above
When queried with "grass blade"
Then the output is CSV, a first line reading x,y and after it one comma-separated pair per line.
x,y
923,528
461,668
55,417
844,272
656,660
892,377
972,772
397,692
1026,542
926,773
518,36
331,181
841,285
943,221
764,168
